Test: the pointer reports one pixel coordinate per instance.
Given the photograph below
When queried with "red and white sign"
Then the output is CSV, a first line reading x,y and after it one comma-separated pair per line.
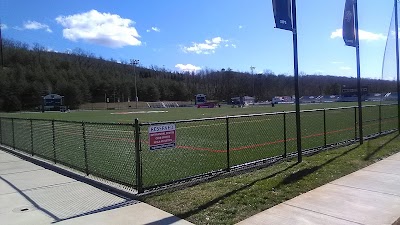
x,y
162,136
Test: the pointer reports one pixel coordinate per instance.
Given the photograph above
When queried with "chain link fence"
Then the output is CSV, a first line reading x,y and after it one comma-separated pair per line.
x,y
102,150
121,153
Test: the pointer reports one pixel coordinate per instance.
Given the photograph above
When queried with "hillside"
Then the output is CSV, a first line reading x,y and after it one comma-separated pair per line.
x,y
31,72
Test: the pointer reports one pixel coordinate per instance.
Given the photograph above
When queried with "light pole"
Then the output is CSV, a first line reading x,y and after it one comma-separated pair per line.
x,y
135,62
252,77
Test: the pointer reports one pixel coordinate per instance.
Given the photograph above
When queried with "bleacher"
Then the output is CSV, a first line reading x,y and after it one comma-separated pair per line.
x,y
308,99
348,99
375,97
162,104
330,98
391,96
320,99
337,98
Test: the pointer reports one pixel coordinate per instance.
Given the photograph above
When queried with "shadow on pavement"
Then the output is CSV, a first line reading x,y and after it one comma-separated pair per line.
x,y
61,202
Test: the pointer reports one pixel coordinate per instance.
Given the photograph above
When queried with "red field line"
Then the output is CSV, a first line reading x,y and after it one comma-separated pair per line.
x,y
232,149
272,142
198,148
289,139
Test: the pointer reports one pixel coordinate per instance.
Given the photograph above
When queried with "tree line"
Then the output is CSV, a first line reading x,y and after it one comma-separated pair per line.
x,y
31,72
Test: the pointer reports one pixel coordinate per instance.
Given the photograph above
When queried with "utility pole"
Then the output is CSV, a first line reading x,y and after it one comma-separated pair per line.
x,y
134,63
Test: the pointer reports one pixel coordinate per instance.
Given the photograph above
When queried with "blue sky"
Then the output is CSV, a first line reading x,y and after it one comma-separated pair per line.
x,y
213,34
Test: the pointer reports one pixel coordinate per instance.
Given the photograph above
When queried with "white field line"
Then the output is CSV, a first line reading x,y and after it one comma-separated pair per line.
x,y
186,127
137,112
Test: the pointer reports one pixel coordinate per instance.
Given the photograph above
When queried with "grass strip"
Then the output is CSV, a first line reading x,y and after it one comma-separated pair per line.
x,y
230,200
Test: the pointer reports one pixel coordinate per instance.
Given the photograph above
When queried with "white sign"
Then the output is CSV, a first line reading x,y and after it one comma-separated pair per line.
x,y
162,136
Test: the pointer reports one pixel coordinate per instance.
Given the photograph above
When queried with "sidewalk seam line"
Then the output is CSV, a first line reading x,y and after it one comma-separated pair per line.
x,y
322,213
364,189
397,160
21,172
41,187
13,161
379,172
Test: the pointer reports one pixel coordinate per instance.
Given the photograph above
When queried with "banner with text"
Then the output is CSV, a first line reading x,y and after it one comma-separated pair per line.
x,y
162,136
283,14
348,30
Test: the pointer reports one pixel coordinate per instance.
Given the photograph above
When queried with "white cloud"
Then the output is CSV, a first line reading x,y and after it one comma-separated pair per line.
x,y
208,47
156,29
3,26
187,67
48,49
233,45
364,35
345,68
240,26
100,28
336,34
34,25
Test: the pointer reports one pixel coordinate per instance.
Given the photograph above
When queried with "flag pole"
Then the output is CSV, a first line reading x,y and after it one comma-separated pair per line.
x,y
1,46
296,82
360,124
396,21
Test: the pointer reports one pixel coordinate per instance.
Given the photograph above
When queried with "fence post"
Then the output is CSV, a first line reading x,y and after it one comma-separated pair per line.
x,y
324,127
380,118
13,133
139,181
32,138
228,164
284,136
355,124
85,148
54,141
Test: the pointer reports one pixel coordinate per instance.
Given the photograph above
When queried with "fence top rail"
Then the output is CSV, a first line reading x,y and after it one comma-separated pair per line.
x,y
390,104
367,106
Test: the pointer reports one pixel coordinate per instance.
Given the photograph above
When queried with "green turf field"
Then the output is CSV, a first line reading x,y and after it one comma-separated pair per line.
x,y
107,150
166,114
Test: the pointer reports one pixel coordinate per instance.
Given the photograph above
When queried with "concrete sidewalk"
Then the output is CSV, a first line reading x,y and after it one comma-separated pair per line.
x,y
368,196
30,194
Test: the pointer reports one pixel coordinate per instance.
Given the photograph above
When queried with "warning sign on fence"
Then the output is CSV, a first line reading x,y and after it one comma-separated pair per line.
x,y
162,136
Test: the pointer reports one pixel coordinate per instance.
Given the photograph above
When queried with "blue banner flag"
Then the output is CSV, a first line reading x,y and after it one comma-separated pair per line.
x,y
283,14
348,30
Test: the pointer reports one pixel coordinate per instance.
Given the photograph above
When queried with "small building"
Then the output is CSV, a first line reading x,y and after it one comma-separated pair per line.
x,y
350,94
53,102
200,99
